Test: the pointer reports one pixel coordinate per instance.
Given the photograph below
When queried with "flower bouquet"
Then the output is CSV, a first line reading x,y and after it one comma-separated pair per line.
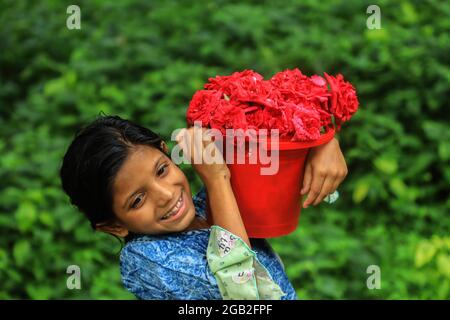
x,y
286,116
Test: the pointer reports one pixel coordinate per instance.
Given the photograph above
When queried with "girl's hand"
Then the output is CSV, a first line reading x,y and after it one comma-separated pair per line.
x,y
325,169
216,177
203,154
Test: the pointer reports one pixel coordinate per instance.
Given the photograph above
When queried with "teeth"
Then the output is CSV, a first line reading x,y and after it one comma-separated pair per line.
x,y
175,209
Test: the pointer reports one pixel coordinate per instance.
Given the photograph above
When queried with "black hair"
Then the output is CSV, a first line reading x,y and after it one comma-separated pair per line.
x,y
93,159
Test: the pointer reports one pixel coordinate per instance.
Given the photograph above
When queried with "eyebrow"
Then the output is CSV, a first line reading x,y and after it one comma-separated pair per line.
x,y
125,205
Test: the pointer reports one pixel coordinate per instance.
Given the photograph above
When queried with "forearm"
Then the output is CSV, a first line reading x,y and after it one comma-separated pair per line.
x,y
224,208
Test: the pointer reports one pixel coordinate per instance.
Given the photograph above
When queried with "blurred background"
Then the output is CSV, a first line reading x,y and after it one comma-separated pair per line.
x,y
143,60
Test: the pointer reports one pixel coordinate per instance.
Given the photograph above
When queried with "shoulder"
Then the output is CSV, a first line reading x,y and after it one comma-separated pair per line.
x,y
177,252
200,203
167,267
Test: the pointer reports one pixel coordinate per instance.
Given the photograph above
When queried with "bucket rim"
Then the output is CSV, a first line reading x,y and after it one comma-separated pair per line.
x,y
286,144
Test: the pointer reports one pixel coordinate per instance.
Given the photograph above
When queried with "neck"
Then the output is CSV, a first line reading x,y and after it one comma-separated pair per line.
x,y
198,223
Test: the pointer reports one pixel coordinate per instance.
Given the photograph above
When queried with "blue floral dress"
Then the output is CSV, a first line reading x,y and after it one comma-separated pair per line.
x,y
175,266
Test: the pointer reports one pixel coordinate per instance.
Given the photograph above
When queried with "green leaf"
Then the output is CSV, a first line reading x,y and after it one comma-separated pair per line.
x,y
386,165
424,253
3,259
398,187
39,292
54,87
25,216
443,264
409,14
21,252
47,219
444,150
435,130
361,190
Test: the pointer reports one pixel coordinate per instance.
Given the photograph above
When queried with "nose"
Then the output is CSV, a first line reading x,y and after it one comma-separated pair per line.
x,y
164,194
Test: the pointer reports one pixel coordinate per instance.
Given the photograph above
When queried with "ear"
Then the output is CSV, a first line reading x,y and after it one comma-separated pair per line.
x,y
112,228
164,147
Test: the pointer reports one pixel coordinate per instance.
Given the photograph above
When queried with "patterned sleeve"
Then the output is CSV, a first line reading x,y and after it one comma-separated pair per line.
x,y
238,272
149,280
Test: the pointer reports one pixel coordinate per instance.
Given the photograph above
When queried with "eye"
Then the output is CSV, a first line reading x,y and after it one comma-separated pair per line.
x,y
136,202
162,170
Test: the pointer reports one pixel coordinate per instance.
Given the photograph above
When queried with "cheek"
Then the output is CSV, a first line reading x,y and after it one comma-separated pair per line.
x,y
178,176
181,179
141,219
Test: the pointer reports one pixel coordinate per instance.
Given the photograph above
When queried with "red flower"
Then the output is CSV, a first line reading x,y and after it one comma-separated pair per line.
x,y
307,124
344,102
296,105
243,87
312,92
239,84
255,120
202,106
228,116
318,81
296,87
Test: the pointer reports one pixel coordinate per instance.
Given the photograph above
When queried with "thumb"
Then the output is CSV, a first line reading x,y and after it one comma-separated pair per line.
x,y
307,178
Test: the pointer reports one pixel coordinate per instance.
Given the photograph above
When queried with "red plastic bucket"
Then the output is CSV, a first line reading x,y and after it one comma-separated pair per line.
x,y
270,205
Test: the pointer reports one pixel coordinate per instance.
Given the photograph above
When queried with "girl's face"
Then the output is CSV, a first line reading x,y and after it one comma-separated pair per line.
x,y
151,195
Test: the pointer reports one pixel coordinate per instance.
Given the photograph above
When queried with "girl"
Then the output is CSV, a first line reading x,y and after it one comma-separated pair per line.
x,y
120,176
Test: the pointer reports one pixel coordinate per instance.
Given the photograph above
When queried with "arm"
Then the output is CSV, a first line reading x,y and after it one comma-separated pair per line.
x,y
224,208
216,177
238,272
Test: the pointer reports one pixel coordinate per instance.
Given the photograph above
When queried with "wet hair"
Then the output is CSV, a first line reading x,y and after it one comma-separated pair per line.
x,y
93,159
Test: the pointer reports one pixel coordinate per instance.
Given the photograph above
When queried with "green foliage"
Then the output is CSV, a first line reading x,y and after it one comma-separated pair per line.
x,y
143,60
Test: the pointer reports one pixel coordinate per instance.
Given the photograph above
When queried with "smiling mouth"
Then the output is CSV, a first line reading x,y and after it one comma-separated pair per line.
x,y
176,211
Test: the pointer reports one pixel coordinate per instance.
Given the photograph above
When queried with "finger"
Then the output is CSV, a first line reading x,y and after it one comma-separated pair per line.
x,y
335,186
184,149
316,186
307,177
337,182
198,145
341,177
186,145
327,188
180,135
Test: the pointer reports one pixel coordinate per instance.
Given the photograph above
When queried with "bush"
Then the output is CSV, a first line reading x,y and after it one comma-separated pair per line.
x,y
143,60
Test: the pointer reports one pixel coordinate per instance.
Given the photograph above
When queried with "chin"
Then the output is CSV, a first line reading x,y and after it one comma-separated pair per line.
x,y
188,219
